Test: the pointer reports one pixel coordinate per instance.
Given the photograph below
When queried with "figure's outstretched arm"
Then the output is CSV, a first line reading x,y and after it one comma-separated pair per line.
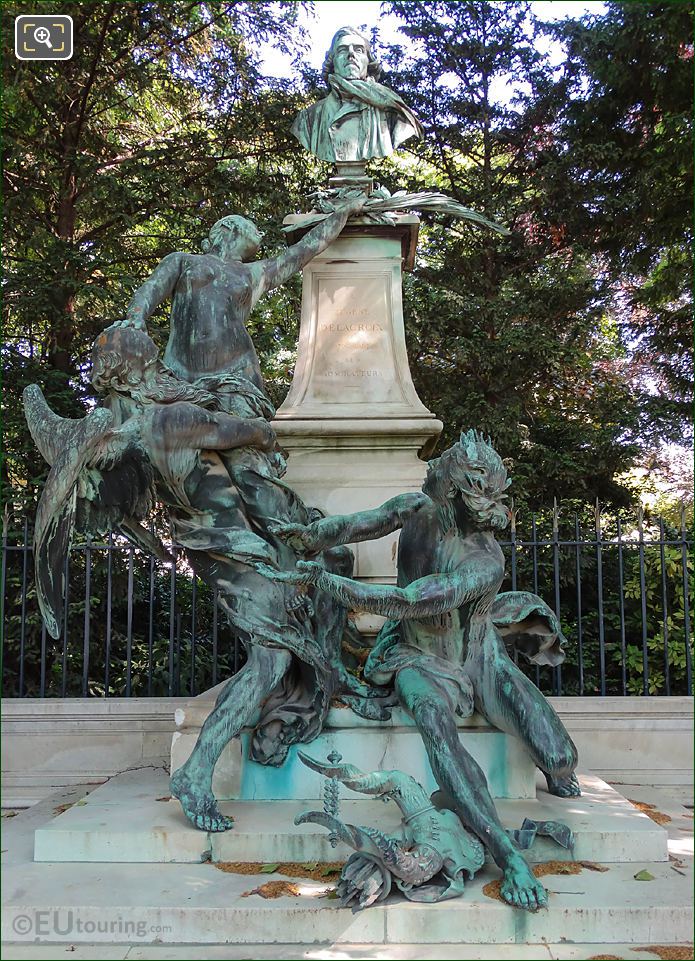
x,y
425,597
158,286
352,528
271,273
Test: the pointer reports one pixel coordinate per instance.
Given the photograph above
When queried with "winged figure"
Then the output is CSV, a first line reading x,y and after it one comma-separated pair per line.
x,y
218,472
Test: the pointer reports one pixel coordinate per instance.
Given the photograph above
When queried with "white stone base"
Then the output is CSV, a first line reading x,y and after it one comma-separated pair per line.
x,y
129,820
76,905
51,743
167,904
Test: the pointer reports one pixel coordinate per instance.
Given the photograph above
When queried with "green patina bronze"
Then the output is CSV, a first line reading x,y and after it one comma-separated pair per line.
x,y
428,859
360,118
445,647
191,432
194,435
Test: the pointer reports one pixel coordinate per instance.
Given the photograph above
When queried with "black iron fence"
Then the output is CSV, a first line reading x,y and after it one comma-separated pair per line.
x,y
134,626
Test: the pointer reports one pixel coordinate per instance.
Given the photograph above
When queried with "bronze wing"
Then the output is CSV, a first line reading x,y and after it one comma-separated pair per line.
x,y
99,479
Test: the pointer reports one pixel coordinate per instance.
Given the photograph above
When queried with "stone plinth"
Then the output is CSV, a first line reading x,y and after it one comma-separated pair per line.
x,y
372,745
130,819
352,422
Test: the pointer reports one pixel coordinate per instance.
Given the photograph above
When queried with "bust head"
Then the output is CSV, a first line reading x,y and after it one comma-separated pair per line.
x,y
350,56
233,238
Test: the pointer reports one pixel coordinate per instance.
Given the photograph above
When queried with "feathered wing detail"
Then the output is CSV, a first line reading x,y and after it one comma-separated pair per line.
x,y
52,433
90,462
67,445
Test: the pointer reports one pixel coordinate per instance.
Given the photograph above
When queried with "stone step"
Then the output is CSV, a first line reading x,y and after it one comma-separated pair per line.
x,y
386,745
129,819
197,904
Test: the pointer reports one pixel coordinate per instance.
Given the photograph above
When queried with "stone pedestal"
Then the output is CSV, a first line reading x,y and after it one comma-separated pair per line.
x,y
352,423
371,745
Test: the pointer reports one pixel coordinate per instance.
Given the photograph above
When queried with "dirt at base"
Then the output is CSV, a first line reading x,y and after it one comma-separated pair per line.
x,y
670,952
605,957
316,871
275,889
651,811
493,888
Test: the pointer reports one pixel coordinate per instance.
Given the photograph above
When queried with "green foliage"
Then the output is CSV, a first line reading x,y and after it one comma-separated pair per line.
x,y
174,650
569,342
624,163
665,621
600,599
552,340
174,643
158,125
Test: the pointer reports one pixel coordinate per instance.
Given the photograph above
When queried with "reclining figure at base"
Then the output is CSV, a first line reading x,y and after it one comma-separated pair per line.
x,y
444,647
428,858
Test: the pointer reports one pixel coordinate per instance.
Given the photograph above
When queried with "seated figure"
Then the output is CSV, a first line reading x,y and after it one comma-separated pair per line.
x,y
444,647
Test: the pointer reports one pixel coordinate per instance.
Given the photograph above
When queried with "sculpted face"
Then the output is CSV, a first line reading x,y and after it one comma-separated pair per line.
x,y
473,473
350,58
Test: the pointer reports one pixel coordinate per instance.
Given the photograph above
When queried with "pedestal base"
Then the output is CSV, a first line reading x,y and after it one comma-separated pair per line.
x,y
347,466
131,819
352,423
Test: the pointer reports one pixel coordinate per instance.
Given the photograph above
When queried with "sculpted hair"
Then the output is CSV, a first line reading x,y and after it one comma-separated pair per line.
x,y
373,67
119,357
219,228
476,471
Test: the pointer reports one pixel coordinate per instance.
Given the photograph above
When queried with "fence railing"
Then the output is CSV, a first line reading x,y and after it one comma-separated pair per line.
x,y
135,626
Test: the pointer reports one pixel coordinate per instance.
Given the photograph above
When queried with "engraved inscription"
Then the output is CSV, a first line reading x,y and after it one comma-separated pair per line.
x,y
353,359
352,328
353,373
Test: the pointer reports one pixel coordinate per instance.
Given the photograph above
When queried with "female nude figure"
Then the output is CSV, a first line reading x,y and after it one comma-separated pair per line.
x,y
443,649
213,294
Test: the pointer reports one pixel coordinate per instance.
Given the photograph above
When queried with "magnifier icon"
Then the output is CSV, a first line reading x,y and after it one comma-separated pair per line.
x,y
43,35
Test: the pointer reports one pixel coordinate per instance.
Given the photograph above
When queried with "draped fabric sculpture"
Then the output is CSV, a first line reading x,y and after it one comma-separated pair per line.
x,y
194,434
